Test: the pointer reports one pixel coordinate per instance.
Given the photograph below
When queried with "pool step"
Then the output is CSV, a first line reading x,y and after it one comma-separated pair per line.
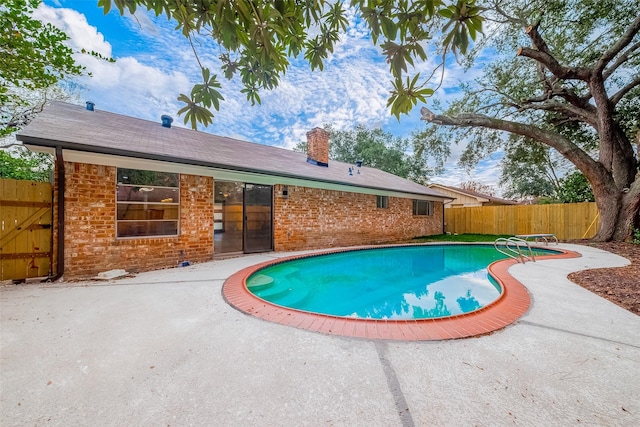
x,y
289,294
260,282
273,293
293,298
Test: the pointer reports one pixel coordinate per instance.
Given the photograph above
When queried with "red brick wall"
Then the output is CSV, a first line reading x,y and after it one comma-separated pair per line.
x,y
313,218
90,225
307,219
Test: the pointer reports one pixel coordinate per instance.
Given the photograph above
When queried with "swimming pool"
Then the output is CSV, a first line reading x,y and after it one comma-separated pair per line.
x,y
411,282
420,309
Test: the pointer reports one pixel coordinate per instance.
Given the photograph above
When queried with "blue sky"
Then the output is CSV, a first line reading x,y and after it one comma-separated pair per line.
x,y
154,64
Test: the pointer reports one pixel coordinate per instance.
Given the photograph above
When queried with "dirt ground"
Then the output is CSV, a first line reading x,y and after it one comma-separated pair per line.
x,y
621,285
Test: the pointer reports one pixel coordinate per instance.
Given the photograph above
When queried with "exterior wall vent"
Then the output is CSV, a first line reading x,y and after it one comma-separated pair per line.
x,y
166,120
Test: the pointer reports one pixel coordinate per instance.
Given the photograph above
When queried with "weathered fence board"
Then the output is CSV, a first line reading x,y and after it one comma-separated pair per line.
x,y
25,229
567,221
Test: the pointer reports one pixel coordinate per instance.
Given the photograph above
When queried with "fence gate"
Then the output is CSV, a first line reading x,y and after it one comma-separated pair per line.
x,y
25,229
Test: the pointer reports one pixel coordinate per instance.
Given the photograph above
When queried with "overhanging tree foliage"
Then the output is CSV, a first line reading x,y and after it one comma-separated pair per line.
x,y
574,64
257,38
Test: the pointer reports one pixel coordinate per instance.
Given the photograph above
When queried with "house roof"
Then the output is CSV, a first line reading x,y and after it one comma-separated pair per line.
x,y
72,127
482,198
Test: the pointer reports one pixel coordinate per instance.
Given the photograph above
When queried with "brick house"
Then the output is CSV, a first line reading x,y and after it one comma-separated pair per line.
x,y
137,195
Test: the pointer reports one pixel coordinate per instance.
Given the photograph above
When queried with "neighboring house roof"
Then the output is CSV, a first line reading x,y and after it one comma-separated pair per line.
x,y
483,199
75,129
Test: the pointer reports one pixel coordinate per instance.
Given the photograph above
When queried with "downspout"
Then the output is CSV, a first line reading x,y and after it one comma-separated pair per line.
x,y
61,190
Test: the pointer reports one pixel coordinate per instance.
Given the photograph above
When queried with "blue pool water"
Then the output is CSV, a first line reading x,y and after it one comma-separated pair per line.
x,y
406,282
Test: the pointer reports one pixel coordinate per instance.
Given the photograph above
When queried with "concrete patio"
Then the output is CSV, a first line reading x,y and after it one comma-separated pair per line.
x,y
164,348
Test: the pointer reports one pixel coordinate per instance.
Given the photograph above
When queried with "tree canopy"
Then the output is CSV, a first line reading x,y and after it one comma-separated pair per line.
x,y
33,57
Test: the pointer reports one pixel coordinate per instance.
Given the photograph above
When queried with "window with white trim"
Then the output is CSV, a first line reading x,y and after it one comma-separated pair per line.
x,y
382,202
422,207
147,203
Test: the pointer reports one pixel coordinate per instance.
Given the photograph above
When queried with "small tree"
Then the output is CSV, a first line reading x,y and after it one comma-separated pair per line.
x,y
574,188
529,170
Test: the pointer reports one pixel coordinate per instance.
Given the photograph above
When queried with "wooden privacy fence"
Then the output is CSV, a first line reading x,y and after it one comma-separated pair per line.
x,y
25,229
567,221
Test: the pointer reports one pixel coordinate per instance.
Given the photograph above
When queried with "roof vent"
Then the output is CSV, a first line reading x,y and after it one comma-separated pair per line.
x,y
166,120
90,105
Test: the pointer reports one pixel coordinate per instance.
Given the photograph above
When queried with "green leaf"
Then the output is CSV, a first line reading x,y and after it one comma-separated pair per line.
x,y
447,13
105,5
389,28
194,113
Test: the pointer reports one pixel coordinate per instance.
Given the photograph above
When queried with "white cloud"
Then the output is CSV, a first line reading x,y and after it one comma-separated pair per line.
x,y
75,25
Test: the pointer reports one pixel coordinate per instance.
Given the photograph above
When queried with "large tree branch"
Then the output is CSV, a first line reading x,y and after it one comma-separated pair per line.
x,y
571,112
553,89
624,90
592,169
557,69
621,60
542,54
617,47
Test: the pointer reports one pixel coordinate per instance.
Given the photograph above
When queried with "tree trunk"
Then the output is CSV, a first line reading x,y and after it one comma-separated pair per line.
x,y
609,210
619,213
629,215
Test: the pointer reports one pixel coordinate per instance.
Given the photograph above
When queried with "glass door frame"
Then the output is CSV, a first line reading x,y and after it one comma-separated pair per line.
x,y
245,229
246,243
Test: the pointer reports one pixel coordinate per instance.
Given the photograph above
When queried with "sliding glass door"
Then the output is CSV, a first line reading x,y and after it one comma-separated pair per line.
x,y
242,217
258,227
228,217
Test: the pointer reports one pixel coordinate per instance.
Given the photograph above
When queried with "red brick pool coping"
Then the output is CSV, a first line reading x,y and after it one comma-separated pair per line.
x,y
512,304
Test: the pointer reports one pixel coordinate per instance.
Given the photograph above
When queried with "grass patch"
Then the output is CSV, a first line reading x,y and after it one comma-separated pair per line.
x,y
460,238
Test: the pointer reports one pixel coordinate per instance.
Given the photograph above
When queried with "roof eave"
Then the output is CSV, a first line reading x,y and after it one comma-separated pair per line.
x,y
50,143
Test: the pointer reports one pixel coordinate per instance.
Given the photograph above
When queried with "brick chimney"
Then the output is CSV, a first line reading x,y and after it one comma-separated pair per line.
x,y
318,147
